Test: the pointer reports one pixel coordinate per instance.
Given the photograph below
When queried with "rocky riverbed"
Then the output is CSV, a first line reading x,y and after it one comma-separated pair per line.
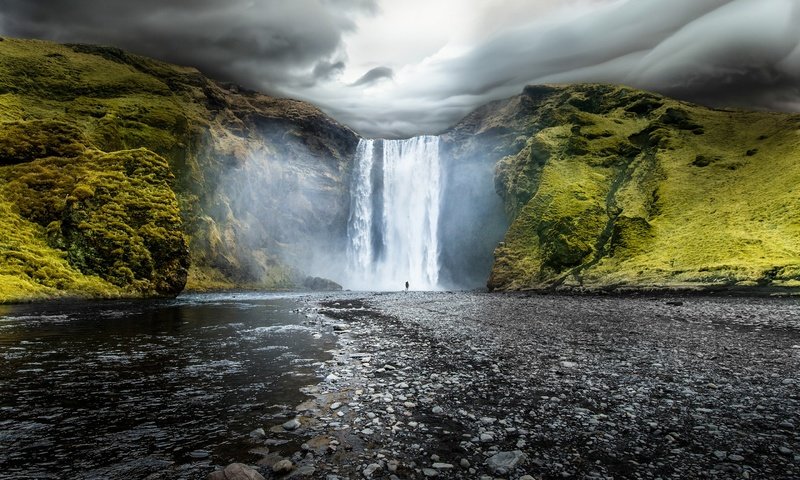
x,y
470,385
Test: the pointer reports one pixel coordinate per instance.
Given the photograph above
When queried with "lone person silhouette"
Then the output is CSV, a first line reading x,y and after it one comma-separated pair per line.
x,y
406,285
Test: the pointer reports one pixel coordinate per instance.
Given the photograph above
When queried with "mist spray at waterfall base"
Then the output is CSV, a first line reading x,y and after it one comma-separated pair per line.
x,y
394,215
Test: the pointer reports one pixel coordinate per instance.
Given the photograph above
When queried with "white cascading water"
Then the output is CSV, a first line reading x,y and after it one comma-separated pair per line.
x,y
359,225
395,239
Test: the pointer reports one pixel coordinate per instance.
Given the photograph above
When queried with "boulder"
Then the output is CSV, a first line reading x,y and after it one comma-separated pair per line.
x,y
235,471
503,462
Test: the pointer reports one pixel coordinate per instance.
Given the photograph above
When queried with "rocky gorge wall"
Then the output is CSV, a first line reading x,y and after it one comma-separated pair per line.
x,y
125,176
610,188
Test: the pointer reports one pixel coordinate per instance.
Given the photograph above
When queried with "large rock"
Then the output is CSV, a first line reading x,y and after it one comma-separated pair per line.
x,y
504,462
235,471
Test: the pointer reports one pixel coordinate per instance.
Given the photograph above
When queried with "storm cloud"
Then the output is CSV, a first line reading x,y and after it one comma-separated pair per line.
x,y
743,53
273,45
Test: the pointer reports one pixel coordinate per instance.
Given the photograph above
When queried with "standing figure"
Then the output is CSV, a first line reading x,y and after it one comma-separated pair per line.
x,y
406,285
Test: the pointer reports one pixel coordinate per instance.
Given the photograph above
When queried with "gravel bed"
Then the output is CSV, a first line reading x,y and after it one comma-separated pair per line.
x,y
472,385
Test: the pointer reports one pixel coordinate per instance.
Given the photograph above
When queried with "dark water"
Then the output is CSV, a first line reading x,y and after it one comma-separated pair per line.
x,y
125,389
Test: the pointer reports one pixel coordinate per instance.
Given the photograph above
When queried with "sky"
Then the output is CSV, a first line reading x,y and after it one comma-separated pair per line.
x,y
396,68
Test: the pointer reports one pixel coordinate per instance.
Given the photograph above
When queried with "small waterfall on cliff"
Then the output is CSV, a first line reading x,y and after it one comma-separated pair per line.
x,y
394,214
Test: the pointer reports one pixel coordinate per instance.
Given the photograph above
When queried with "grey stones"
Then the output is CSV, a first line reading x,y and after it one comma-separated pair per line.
x,y
282,466
236,471
199,454
503,462
335,405
258,433
304,471
581,386
371,469
292,424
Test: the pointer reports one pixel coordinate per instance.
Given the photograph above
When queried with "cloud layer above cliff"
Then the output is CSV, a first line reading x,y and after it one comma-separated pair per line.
x,y
401,68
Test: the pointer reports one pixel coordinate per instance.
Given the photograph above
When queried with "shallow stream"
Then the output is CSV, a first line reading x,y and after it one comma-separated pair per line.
x,y
125,389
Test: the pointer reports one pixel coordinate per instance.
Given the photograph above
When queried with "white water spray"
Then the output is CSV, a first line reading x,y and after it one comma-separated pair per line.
x,y
393,236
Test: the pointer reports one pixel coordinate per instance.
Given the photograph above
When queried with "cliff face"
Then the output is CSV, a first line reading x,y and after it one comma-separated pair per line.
x,y
121,175
613,188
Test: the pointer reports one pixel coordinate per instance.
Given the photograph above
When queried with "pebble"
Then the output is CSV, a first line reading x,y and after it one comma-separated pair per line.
x,y
335,405
442,466
502,462
236,471
292,424
282,466
371,469
594,408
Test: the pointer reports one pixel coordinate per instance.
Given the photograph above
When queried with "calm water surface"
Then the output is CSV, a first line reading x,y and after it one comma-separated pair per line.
x,y
126,389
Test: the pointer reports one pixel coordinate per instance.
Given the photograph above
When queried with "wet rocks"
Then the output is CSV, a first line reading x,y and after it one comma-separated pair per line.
x,y
292,424
563,387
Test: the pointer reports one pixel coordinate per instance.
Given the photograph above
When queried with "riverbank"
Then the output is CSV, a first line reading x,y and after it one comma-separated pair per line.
x,y
470,385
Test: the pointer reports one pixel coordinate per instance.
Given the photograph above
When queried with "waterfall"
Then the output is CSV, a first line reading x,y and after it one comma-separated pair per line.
x,y
394,215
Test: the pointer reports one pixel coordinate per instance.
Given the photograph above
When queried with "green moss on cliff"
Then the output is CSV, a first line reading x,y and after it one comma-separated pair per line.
x,y
30,269
71,117
112,216
625,189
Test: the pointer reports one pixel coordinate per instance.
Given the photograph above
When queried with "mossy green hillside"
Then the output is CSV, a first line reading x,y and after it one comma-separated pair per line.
x,y
621,189
72,115
112,216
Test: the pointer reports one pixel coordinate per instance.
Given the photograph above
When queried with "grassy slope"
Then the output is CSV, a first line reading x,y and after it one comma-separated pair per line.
x,y
65,110
617,188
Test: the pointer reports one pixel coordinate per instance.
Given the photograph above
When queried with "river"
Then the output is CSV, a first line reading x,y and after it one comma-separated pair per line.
x,y
126,388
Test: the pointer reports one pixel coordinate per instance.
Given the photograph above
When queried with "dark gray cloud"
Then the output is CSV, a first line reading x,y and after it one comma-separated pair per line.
x,y
373,75
718,52
268,44
325,70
